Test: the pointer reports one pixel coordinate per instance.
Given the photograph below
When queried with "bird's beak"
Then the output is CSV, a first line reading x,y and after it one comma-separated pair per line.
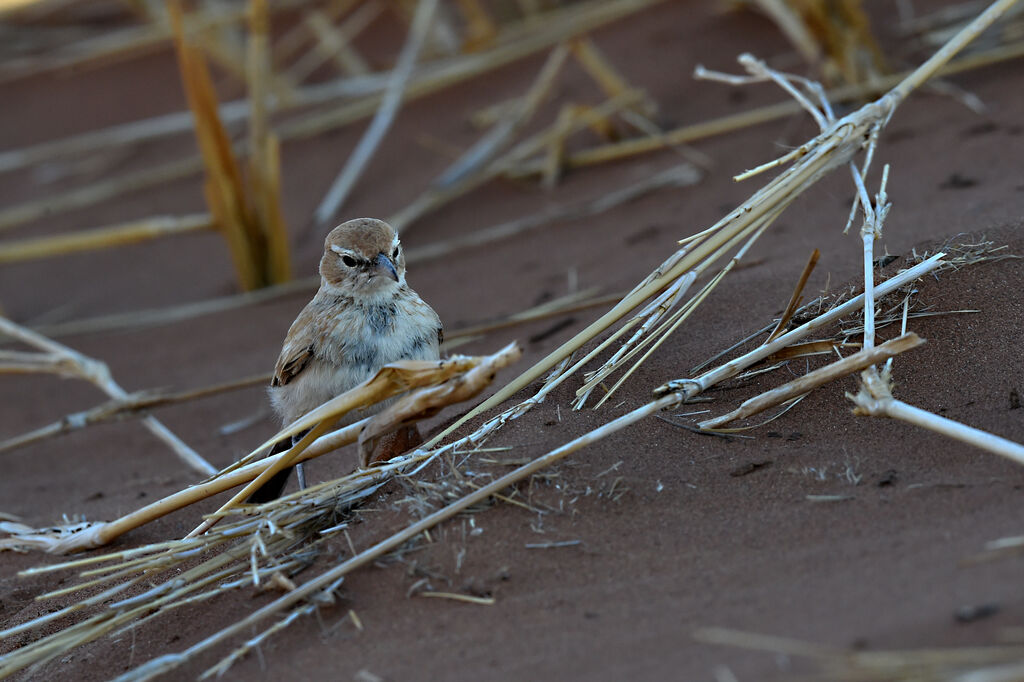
x,y
386,267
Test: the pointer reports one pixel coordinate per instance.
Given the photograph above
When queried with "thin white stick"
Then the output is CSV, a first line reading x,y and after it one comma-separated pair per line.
x,y
819,377
734,367
875,399
392,99
169,662
898,409
99,374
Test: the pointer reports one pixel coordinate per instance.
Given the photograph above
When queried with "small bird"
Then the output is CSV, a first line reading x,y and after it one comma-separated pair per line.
x,y
363,317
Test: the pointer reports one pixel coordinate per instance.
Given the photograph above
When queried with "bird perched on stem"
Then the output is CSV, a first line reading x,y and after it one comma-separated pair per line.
x,y
363,317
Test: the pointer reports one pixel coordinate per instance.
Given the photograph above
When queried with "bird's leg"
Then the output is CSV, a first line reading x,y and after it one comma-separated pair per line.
x,y
300,469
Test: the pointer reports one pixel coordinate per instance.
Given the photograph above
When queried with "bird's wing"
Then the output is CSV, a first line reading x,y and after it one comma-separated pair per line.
x,y
299,348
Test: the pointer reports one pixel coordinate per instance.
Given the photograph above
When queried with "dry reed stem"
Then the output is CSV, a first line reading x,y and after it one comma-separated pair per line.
x,y
82,537
391,380
733,122
334,44
510,123
789,22
796,297
461,377
169,662
95,193
223,187
441,77
21,362
132,403
835,146
436,196
659,335
677,176
98,374
557,26
111,46
264,153
152,317
293,39
104,237
875,399
964,664
427,402
697,385
378,128
819,377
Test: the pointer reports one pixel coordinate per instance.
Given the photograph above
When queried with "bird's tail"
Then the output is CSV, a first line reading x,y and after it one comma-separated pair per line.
x,y
272,489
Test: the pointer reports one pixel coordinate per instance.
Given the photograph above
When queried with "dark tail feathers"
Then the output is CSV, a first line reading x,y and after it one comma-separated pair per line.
x,y
272,489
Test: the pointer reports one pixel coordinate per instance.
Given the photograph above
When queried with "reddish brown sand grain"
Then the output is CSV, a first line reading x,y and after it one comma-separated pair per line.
x,y
690,543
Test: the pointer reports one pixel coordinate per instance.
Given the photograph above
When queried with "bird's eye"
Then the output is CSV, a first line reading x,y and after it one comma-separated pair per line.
x,y
349,261
394,254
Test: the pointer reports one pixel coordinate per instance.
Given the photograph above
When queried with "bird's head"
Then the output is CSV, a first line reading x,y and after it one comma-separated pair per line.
x,y
363,259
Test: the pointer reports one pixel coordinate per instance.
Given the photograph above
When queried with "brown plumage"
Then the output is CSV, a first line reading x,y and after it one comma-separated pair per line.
x,y
363,316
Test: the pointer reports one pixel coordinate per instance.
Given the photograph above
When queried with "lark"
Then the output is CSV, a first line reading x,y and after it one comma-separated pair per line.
x,y
363,317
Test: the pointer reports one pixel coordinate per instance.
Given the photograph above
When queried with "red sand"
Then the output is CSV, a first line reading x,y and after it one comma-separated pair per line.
x,y
691,543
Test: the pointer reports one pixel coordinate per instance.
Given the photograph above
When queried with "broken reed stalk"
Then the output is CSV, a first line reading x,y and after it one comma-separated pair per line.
x,y
697,385
95,193
797,297
437,196
248,214
104,237
433,385
109,47
332,44
264,151
223,187
819,377
875,399
391,380
164,664
690,133
682,175
361,155
835,146
99,375
98,534
533,35
436,79
153,317
974,664
489,144
132,403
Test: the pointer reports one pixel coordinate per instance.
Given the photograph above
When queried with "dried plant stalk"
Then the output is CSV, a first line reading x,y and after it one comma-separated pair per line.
x,y
391,380
132,403
838,143
223,188
98,374
977,664
819,377
378,128
875,399
733,122
82,537
264,154
104,237
529,37
441,383
167,663
697,385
